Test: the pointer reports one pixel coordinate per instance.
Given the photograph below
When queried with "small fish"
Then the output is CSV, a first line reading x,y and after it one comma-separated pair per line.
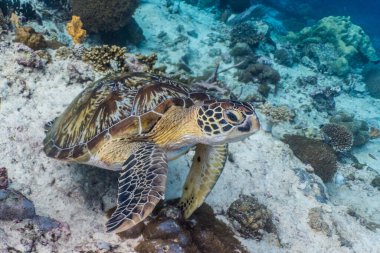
x,y
372,156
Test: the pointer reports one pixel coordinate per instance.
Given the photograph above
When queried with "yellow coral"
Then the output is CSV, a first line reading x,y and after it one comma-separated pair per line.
x,y
74,28
15,20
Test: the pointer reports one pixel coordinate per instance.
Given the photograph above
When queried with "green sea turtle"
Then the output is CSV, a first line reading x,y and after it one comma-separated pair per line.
x,y
135,123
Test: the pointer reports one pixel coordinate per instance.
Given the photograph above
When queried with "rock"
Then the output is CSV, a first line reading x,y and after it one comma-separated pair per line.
x,y
104,16
372,81
3,178
162,228
202,233
240,49
45,224
316,221
323,99
284,57
15,206
250,218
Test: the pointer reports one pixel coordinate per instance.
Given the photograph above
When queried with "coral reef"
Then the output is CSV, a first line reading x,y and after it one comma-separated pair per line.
x,y
358,128
250,218
376,182
314,152
106,58
168,232
240,49
103,16
74,29
305,81
348,39
372,81
248,32
29,58
338,137
323,99
285,56
3,178
262,73
277,114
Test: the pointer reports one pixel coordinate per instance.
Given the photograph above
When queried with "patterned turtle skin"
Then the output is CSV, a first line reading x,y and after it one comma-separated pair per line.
x,y
135,123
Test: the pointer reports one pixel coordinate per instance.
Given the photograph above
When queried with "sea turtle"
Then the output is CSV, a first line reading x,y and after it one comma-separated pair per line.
x,y
135,123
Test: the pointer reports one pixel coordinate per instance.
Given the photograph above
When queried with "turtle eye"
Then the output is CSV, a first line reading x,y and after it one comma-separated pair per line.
x,y
234,117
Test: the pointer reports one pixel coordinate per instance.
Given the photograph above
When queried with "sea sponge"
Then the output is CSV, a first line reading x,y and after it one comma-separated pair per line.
x,y
28,36
106,58
338,137
314,152
74,28
104,16
250,218
348,39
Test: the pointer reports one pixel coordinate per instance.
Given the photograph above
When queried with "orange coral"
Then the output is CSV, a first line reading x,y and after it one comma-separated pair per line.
x,y
74,28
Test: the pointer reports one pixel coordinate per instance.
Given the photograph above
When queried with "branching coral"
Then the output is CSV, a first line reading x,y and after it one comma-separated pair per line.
x,y
358,128
74,28
277,114
106,58
338,137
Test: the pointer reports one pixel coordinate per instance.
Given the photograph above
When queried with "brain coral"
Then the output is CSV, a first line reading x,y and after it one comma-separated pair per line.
x,y
349,40
338,136
104,16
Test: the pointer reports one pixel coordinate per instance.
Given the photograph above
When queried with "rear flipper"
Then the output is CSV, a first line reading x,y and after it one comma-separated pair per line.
x,y
141,186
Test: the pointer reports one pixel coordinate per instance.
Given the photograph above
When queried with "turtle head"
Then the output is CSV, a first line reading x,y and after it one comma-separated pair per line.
x,y
226,121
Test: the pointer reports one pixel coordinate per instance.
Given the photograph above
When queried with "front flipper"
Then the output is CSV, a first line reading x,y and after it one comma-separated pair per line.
x,y
141,186
208,163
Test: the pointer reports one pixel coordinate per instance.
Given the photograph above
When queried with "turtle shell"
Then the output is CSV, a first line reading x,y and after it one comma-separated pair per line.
x,y
117,105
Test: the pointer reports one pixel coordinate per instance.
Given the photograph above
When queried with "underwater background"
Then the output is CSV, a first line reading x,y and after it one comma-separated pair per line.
x,y
309,181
